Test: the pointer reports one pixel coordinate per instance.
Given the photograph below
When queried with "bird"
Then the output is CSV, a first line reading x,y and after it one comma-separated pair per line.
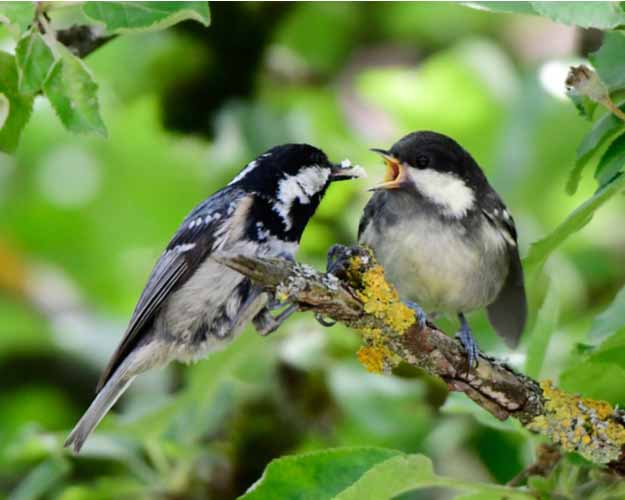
x,y
191,304
445,238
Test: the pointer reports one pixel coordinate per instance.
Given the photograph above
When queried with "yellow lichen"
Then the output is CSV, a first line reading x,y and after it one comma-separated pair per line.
x,y
381,299
589,427
373,358
282,296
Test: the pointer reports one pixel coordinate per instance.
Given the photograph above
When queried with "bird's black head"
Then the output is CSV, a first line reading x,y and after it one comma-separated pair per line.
x,y
291,180
436,167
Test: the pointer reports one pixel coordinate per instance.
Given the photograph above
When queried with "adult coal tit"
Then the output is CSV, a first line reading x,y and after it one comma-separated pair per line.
x,y
445,237
192,305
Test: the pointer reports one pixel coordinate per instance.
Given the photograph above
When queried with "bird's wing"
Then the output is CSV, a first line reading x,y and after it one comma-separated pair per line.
x,y
507,314
202,231
367,215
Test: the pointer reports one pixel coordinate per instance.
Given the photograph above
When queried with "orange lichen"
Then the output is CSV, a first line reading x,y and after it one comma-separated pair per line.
x,y
589,427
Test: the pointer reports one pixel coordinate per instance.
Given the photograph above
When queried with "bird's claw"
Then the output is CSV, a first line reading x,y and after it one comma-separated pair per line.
x,y
336,259
265,323
324,322
465,337
420,314
274,304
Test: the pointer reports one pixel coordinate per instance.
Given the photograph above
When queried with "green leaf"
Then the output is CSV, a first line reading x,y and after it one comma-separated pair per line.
x,y
612,162
73,94
584,104
405,473
610,320
19,106
17,16
609,60
505,7
611,350
41,479
604,129
540,251
128,17
319,475
600,15
393,477
5,108
34,61
358,473
597,375
544,327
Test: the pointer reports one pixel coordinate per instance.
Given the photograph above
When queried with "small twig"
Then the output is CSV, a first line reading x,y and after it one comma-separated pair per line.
x,y
547,457
614,108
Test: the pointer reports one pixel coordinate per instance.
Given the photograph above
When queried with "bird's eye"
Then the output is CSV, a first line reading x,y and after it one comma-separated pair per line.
x,y
422,161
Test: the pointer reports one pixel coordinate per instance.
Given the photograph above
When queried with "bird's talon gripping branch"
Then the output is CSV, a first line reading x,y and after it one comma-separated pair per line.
x,y
265,323
340,260
465,336
324,322
421,315
336,256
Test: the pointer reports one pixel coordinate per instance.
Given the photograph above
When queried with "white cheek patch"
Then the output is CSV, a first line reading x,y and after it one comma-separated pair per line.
x,y
445,189
308,182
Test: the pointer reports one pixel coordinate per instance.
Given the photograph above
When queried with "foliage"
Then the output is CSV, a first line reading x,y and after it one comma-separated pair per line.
x,y
44,65
354,473
84,217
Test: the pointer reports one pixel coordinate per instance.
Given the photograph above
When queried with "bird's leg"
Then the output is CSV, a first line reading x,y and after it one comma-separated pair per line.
x,y
336,264
465,337
337,259
421,315
265,323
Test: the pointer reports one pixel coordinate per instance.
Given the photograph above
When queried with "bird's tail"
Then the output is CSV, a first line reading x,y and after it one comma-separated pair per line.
x,y
105,399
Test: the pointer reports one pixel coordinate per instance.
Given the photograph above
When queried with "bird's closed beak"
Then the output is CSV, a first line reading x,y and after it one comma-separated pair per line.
x,y
396,175
345,170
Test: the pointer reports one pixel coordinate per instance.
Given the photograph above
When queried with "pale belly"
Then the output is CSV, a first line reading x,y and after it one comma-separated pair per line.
x,y
439,269
197,318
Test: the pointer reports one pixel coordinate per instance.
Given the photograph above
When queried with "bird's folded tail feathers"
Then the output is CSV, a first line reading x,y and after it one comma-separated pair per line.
x,y
508,313
106,398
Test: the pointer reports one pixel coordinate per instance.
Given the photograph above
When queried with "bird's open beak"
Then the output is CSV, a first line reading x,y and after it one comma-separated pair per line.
x,y
396,174
345,170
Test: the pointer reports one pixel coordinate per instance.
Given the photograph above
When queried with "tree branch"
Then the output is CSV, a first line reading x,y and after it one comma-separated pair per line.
x,y
356,294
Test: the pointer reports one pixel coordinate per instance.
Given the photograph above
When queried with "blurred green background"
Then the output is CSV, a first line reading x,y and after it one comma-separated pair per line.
x,y
82,220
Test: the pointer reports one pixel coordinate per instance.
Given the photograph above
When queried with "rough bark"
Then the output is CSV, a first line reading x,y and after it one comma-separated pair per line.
x,y
356,294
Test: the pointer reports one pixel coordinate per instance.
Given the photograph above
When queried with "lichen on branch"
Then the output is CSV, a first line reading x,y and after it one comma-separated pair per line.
x,y
592,428
357,294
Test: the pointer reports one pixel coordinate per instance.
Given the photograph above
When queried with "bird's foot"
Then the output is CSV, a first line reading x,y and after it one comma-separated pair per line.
x,y
265,323
324,322
420,314
274,304
465,336
336,260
